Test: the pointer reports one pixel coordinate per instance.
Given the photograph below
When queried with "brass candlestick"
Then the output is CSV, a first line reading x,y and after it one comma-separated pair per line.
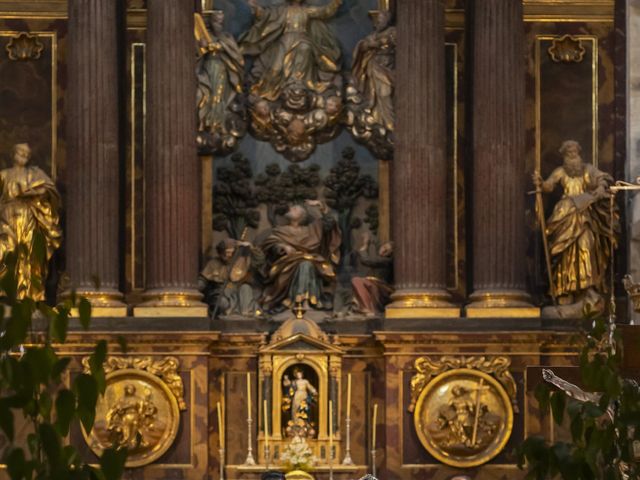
x,y
221,450
331,462
266,455
373,462
250,460
347,456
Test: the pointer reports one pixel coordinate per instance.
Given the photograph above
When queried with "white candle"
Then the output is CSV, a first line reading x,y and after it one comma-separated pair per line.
x,y
248,395
220,427
373,426
349,396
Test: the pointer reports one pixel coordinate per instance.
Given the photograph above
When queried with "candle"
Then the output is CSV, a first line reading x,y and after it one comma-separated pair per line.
x,y
266,425
349,396
220,427
330,430
249,396
375,414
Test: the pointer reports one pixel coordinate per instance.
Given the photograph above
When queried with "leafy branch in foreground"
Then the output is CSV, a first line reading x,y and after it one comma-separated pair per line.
x,y
604,419
37,394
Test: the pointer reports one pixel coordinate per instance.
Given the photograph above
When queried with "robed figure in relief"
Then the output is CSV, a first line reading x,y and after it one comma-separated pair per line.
x,y
302,258
29,205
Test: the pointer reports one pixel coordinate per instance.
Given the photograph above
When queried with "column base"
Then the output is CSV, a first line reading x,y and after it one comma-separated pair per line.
x,y
421,304
104,302
171,303
501,304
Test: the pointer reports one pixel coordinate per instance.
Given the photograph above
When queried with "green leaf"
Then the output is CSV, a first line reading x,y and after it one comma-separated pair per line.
x,y
45,404
65,410
51,444
86,391
542,393
112,463
558,402
59,326
6,419
96,362
84,310
16,463
59,367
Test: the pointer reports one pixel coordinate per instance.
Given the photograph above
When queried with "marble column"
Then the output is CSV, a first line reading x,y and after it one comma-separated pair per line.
x,y
172,172
92,178
499,188
419,176
633,132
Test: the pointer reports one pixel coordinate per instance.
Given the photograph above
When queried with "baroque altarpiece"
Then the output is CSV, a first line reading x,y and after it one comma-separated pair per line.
x,y
340,237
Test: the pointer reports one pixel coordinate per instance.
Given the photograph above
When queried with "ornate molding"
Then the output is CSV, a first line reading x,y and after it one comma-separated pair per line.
x,y
428,369
566,49
24,46
165,369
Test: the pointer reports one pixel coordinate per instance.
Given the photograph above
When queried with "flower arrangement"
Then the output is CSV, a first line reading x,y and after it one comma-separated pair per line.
x,y
298,455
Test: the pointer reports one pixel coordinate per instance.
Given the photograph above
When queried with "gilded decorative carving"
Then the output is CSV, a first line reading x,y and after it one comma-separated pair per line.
x,y
429,368
464,417
371,116
140,408
633,290
463,407
24,46
566,49
29,221
295,98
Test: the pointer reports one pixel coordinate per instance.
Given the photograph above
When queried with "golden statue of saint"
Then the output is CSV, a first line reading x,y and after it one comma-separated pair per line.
x,y
578,228
292,46
29,203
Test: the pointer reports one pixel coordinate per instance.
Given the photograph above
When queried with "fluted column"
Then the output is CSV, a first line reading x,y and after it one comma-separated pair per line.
x,y
419,177
499,277
93,189
172,173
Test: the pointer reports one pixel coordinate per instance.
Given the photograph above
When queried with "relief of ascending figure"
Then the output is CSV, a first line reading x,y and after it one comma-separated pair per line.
x,y
295,94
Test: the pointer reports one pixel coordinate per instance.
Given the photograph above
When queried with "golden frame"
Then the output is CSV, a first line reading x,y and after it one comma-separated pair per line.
x,y
53,35
594,95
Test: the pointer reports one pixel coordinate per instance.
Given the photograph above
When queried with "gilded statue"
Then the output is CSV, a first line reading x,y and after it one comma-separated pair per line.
x,y
370,94
373,291
301,259
295,98
229,279
220,74
29,209
292,45
578,232
130,422
298,397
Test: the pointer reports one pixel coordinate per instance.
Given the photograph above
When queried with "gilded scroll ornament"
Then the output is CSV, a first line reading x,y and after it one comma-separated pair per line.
x,y
464,417
220,73
295,97
578,234
140,408
29,221
24,46
429,368
566,49
371,116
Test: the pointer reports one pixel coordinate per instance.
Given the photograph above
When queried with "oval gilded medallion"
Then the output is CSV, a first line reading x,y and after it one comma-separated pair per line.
x,y
137,411
464,418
